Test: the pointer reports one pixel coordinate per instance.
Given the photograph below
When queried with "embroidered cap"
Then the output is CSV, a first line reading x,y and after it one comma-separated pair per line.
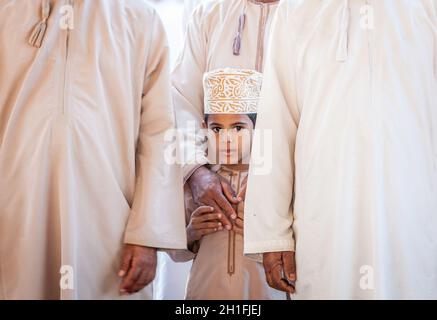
x,y
232,91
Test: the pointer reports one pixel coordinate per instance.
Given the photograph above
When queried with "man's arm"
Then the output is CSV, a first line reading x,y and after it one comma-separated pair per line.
x,y
268,212
157,216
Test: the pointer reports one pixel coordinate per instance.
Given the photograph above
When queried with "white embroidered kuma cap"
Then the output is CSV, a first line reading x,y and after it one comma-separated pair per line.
x,y
232,91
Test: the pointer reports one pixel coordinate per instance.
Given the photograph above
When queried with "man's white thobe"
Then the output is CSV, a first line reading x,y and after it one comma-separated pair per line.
x,y
82,125
350,97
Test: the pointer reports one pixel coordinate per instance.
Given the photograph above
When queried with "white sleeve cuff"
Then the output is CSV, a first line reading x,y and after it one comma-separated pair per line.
x,y
255,247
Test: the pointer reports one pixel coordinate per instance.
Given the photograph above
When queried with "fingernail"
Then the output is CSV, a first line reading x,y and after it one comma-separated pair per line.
x,y
211,209
234,216
228,227
240,199
293,277
121,273
219,223
220,215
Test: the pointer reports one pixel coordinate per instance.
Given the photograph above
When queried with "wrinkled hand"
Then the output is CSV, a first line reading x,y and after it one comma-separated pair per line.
x,y
280,269
138,268
203,221
209,189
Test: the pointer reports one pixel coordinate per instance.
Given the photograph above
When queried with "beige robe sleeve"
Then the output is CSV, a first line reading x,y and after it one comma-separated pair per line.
x,y
157,216
268,212
187,91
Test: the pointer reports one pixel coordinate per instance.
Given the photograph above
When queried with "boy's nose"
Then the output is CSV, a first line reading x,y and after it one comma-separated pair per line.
x,y
227,136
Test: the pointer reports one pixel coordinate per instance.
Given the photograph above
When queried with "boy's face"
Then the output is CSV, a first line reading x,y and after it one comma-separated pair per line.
x,y
229,138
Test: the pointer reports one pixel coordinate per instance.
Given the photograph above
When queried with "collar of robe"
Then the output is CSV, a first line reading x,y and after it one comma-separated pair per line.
x,y
241,22
343,40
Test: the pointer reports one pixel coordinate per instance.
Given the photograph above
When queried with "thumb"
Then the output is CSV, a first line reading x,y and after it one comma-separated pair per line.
x,y
242,194
289,263
229,192
125,262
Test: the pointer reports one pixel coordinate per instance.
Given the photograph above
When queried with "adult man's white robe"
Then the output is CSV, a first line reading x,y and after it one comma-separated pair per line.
x,y
82,124
353,112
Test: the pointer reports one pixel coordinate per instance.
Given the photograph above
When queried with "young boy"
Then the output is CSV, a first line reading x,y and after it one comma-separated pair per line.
x,y
220,271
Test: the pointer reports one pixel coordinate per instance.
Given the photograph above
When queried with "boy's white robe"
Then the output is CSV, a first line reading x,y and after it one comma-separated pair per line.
x,y
82,124
353,114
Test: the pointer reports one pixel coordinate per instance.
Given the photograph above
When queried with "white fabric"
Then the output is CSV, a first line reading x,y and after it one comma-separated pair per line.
x,y
355,141
82,123
189,6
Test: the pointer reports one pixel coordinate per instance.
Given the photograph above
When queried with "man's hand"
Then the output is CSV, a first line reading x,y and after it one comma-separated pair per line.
x,y
242,194
280,269
203,221
138,268
209,189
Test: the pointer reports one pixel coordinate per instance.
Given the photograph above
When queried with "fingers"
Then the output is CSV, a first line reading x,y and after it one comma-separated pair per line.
x,y
223,218
142,269
279,283
131,278
239,223
229,192
269,278
209,225
239,226
289,263
208,190
273,266
226,207
203,213
207,218
125,263
202,210
146,277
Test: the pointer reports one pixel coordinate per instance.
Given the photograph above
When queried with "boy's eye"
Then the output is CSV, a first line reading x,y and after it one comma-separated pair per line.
x,y
216,129
239,128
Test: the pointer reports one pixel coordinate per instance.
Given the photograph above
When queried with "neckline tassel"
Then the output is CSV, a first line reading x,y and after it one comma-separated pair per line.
x,y
39,31
237,40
